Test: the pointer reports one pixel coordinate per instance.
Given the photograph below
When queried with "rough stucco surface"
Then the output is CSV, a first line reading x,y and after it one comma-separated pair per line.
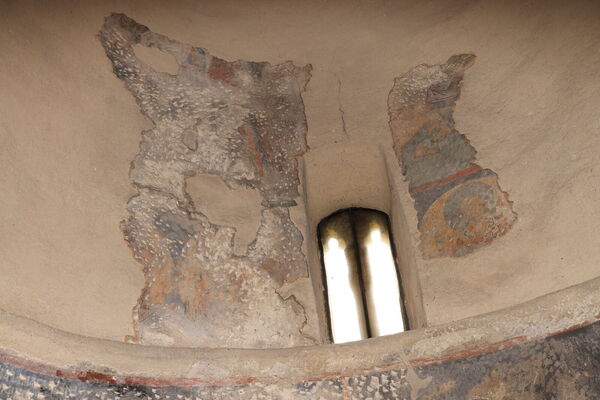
x,y
241,121
563,366
545,349
460,206
529,106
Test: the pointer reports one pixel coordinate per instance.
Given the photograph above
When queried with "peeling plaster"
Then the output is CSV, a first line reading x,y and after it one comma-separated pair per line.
x,y
244,123
239,208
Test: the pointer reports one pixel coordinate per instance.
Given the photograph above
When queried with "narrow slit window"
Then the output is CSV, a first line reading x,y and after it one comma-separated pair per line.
x,y
364,295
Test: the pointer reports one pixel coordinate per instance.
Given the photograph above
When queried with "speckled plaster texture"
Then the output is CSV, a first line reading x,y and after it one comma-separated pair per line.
x,y
545,349
563,366
69,131
460,206
243,122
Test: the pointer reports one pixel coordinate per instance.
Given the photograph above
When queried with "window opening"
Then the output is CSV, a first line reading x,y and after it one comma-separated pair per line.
x,y
363,289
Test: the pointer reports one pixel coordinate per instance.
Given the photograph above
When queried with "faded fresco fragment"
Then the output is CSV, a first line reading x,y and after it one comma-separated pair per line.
x,y
561,366
243,122
460,206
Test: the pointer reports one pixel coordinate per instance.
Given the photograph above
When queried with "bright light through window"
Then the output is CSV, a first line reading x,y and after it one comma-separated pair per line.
x,y
383,291
345,303
363,288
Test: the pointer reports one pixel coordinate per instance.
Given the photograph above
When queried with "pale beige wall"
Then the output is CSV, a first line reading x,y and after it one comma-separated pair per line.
x,y
68,130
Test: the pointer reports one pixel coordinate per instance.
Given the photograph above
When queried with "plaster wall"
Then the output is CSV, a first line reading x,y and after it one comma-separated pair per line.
x,y
545,348
69,130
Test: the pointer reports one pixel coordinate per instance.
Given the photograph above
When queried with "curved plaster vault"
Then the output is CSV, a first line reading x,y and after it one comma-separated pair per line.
x,y
222,200
544,348
244,122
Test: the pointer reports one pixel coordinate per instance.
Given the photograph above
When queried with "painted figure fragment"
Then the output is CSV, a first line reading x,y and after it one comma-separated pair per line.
x,y
460,206
243,122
